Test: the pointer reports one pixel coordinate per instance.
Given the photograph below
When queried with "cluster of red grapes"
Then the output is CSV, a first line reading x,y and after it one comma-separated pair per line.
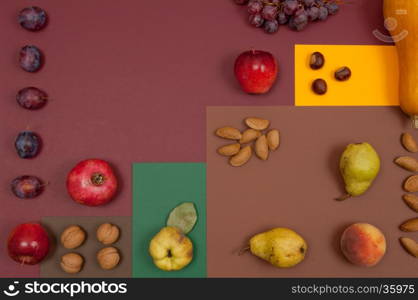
x,y
296,14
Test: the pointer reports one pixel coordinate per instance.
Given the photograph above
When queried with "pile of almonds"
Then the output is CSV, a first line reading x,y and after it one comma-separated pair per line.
x,y
257,135
410,185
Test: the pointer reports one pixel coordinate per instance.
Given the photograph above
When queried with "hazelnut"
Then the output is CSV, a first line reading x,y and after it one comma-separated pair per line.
x,y
72,263
107,233
72,237
108,258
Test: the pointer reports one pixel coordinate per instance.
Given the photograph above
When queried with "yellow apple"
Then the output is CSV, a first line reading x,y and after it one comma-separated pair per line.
x,y
170,249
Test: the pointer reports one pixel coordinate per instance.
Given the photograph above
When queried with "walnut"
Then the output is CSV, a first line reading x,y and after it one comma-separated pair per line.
x,y
72,263
107,233
108,258
72,237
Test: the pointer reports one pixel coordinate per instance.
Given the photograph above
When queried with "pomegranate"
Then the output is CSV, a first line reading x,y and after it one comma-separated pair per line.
x,y
92,182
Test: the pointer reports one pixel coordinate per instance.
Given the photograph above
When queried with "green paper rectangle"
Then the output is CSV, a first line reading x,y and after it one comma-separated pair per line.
x,y
157,189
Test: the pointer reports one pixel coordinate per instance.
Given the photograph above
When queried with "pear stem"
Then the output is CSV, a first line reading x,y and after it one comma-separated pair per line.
x,y
343,197
243,250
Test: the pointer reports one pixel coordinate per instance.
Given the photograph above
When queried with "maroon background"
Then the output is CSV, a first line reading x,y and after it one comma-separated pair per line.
x,y
129,82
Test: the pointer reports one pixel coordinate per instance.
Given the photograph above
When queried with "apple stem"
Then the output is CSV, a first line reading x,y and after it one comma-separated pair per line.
x,y
343,197
243,250
98,179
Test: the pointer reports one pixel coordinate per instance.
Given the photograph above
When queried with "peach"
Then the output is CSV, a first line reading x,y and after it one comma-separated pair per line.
x,y
363,244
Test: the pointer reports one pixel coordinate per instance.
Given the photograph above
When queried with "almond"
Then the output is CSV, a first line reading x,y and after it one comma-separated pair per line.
x,y
257,123
408,163
411,201
409,143
410,225
273,139
249,135
410,246
228,132
411,184
262,148
229,150
242,157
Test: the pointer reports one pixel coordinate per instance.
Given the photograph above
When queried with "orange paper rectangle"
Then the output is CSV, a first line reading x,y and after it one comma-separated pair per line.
x,y
374,80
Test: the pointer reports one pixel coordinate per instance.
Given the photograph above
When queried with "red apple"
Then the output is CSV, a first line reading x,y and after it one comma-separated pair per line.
x,y
256,71
92,182
28,243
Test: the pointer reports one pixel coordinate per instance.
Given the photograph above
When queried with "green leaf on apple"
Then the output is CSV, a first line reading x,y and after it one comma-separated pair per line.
x,y
184,217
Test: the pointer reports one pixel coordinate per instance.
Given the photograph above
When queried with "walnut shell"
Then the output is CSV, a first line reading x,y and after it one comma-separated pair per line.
x,y
107,233
108,258
73,237
72,263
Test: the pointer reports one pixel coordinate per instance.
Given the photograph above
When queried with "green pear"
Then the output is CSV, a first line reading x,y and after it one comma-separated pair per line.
x,y
359,166
281,247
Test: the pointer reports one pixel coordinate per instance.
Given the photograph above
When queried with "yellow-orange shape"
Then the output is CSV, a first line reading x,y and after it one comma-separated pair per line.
x,y
374,79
